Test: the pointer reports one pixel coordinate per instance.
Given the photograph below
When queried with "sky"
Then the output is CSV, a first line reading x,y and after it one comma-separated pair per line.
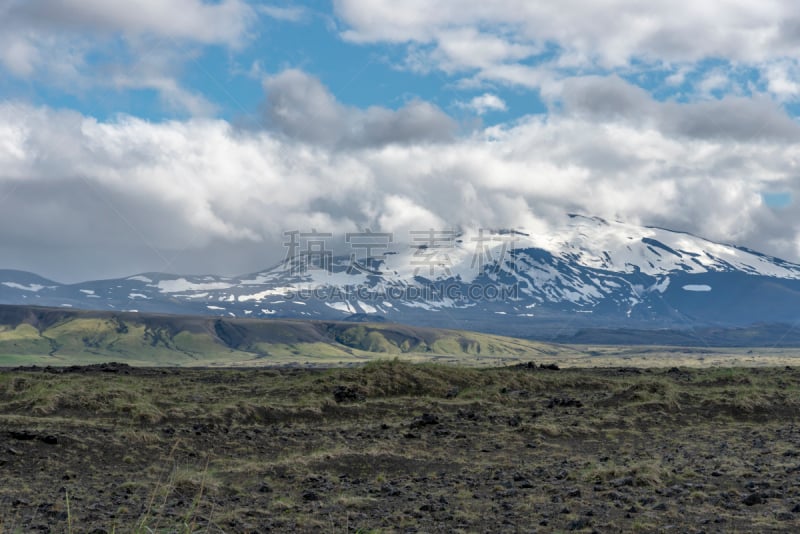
x,y
187,135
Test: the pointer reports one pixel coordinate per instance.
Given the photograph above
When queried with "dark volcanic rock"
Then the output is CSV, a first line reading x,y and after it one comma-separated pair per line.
x,y
110,367
452,393
22,435
578,524
753,498
348,394
425,419
564,402
622,481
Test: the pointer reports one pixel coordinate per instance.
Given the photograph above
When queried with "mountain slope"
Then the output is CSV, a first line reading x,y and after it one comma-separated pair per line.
x,y
33,335
585,273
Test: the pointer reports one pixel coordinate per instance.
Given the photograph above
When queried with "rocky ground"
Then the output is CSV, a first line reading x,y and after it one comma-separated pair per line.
x,y
394,447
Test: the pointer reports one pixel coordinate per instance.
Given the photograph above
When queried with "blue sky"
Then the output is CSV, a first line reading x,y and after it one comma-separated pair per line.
x,y
230,79
229,121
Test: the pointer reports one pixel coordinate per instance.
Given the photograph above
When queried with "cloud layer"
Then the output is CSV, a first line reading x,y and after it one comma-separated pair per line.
x,y
190,187
141,47
299,106
532,43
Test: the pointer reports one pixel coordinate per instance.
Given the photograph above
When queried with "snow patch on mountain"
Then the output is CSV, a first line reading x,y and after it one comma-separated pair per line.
x,y
345,307
697,287
623,247
182,284
31,287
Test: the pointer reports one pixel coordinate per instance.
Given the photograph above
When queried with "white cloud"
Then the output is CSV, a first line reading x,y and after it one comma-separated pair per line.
x,y
468,48
52,41
714,81
484,103
400,214
156,72
783,79
291,14
611,99
19,56
500,40
223,22
299,106
678,77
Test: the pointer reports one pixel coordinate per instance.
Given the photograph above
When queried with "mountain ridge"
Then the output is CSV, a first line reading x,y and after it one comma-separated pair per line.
x,y
58,336
586,273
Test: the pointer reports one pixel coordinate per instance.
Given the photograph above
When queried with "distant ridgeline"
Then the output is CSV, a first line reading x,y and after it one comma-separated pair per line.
x,y
590,280
33,335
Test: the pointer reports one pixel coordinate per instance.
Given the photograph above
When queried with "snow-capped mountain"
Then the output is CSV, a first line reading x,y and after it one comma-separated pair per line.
x,y
588,272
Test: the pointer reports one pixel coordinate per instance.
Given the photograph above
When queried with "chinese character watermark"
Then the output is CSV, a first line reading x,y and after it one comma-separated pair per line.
x,y
432,249
489,258
367,241
315,254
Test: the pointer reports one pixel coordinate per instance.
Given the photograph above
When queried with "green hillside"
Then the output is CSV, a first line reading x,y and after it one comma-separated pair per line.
x,y
46,336
59,337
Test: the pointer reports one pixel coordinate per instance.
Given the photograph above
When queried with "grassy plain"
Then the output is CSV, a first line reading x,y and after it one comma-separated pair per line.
x,y
393,446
